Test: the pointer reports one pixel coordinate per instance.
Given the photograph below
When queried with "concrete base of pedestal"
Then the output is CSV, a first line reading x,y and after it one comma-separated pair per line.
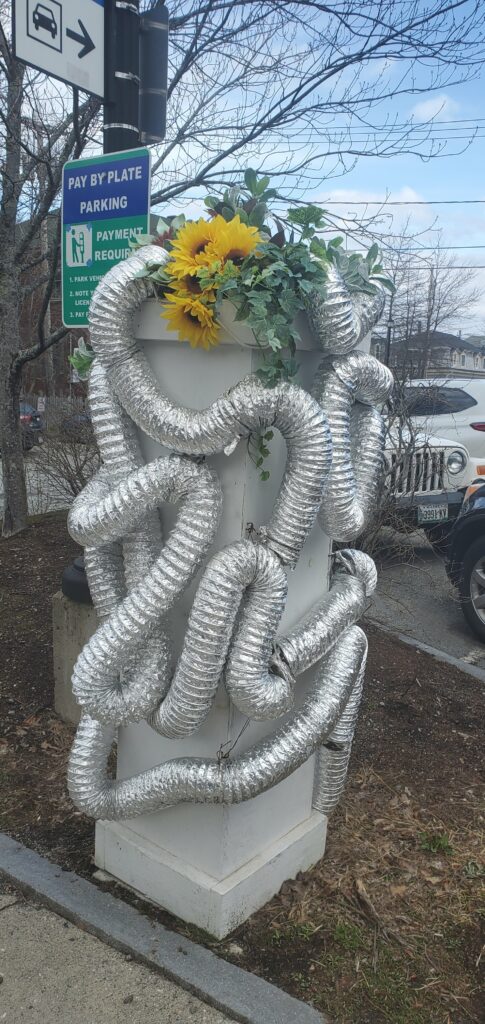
x,y
73,625
216,905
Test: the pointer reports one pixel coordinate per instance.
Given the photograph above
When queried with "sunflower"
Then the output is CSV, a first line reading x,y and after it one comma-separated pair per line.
x,y
232,239
189,249
190,285
193,321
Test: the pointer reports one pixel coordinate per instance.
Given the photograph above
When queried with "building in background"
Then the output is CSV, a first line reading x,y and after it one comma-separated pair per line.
x,y
433,354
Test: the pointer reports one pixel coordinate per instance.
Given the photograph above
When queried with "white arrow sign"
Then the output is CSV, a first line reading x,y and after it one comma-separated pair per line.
x,y
64,38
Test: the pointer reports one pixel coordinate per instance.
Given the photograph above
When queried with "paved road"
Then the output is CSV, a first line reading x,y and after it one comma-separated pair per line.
x,y
415,597
53,973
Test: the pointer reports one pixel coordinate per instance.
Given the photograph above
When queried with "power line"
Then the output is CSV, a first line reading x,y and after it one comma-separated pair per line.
x,y
400,202
434,248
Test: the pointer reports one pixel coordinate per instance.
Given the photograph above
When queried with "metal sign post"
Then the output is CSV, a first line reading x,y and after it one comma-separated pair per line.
x,y
63,38
105,204
106,48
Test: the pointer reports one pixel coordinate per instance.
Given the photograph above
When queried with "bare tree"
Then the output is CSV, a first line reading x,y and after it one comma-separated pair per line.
x,y
297,89
39,130
432,294
293,88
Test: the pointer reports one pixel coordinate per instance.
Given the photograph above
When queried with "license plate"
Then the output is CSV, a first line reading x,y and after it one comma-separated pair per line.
x,y
432,513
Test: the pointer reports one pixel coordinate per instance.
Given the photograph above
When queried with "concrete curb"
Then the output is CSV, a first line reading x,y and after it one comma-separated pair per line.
x,y
241,995
448,659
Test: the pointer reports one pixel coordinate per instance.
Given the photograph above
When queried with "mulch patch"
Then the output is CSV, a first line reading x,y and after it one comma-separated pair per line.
x,y
388,927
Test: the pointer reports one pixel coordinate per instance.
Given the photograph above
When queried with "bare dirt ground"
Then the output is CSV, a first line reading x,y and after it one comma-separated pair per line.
x,y
389,927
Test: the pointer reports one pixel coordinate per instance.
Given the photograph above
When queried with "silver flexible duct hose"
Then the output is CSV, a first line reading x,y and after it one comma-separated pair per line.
x,y
333,756
340,320
124,674
208,635
244,409
102,515
198,780
346,387
352,583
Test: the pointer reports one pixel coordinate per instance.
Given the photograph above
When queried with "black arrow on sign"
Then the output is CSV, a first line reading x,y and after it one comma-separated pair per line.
x,y
85,39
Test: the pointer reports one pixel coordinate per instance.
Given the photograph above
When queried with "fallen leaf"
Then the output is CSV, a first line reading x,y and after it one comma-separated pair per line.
x,y
398,890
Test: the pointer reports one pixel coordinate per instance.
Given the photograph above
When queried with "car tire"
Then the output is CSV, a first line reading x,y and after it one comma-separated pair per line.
x,y
471,560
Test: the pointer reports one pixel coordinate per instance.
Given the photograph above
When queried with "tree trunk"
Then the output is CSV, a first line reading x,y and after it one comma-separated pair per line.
x,y
15,492
14,489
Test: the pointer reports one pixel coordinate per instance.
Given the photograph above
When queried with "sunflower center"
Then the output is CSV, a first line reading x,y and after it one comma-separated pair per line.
x,y
199,248
193,318
236,255
192,285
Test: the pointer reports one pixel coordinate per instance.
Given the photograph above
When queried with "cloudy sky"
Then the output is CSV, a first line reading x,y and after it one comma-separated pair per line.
x,y
426,188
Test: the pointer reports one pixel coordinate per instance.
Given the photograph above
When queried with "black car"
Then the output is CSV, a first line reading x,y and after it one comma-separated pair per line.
x,y
32,426
465,561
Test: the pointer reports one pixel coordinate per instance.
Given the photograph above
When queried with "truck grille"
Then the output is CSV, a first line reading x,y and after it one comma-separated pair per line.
x,y
419,472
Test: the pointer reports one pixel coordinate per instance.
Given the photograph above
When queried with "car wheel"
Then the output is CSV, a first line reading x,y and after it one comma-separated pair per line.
x,y
439,537
472,587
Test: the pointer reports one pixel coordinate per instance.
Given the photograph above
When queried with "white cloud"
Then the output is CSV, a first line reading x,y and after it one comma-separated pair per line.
x,y
438,108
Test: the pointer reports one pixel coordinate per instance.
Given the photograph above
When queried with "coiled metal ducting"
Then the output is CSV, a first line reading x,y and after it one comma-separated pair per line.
x,y
338,319
124,673
199,780
347,387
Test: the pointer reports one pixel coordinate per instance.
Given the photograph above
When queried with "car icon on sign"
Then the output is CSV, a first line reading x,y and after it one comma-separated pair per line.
x,y
44,18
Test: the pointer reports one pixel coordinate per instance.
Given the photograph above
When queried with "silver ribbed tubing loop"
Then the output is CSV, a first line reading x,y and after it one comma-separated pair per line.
x,y
333,756
124,673
209,780
352,582
241,570
245,408
341,387
340,319
103,515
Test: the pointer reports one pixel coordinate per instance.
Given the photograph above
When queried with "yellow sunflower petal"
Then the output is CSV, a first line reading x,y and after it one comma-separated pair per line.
x,y
193,321
189,250
232,239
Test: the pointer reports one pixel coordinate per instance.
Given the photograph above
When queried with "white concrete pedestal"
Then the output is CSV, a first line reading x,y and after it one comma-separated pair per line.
x,y
215,865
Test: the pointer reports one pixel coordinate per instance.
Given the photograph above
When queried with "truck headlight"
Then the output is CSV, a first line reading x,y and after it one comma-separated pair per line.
x,y
456,462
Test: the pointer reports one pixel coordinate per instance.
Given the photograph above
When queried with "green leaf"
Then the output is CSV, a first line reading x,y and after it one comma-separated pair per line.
x,y
264,475
228,213
251,180
269,435
212,202
257,215
372,254
261,186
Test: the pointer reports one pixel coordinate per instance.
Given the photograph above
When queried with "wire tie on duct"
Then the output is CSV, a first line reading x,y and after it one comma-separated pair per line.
x,y
279,667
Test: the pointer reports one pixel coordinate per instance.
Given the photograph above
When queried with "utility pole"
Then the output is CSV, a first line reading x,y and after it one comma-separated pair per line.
x,y
121,105
136,75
